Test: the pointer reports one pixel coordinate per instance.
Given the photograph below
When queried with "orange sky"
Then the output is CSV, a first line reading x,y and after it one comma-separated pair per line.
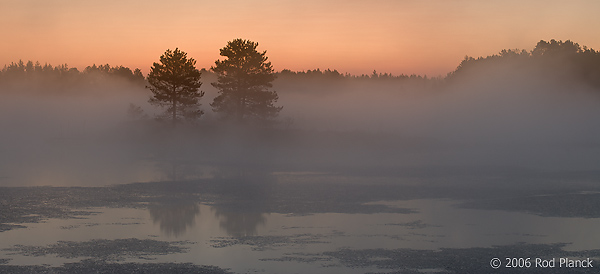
x,y
421,36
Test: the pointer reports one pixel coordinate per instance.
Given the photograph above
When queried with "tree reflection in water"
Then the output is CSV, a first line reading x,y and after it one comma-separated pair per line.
x,y
242,194
174,218
245,192
239,223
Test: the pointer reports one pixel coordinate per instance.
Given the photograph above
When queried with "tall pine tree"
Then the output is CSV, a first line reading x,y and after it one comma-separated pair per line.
x,y
244,79
175,84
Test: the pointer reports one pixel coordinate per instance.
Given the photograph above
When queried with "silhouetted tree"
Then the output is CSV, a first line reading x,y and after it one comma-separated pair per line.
x,y
243,82
175,84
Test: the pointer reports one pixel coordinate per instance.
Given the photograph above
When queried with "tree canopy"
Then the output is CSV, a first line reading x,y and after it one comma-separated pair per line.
x,y
175,84
244,79
555,58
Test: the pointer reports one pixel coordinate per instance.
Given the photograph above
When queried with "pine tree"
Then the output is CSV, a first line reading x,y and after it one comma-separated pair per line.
x,y
243,82
175,84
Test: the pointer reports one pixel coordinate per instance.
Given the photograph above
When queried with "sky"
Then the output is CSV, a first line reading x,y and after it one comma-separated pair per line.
x,y
425,37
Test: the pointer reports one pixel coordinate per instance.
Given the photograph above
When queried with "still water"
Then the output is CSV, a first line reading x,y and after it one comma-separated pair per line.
x,y
294,243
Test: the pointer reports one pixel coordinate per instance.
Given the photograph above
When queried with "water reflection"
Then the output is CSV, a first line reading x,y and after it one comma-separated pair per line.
x,y
247,192
174,218
243,194
240,223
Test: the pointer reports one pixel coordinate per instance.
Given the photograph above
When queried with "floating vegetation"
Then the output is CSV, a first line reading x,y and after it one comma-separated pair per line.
x,y
260,243
5,227
446,260
300,257
458,260
89,266
104,250
418,224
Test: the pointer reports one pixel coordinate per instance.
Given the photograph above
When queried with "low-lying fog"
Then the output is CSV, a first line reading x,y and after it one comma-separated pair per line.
x,y
492,117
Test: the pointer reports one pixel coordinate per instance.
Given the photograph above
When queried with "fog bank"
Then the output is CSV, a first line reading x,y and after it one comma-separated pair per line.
x,y
495,116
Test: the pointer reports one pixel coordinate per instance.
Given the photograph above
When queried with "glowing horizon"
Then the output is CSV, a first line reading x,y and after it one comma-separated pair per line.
x,y
357,37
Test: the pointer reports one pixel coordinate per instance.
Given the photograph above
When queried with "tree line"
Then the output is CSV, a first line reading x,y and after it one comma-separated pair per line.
x,y
47,73
245,76
334,74
30,70
556,58
556,54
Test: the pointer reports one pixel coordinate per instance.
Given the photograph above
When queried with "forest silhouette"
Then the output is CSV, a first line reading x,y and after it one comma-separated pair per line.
x,y
566,58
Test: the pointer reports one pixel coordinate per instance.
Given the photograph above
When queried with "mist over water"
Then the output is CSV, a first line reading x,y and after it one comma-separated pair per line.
x,y
496,116
51,138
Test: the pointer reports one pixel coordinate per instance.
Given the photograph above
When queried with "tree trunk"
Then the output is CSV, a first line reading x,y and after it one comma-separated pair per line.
x,y
174,112
174,107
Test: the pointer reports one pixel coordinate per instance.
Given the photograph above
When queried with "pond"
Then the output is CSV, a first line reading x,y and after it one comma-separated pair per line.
x,y
289,224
